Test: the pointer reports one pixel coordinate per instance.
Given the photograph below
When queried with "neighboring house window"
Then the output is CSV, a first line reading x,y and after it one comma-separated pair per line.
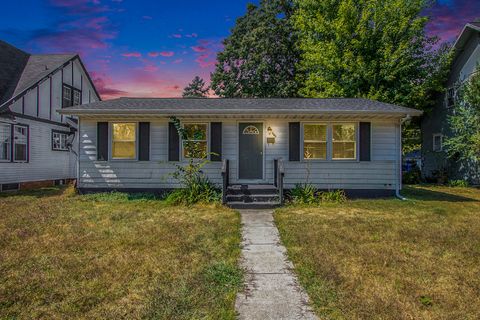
x,y
344,141
315,141
20,143
67,96
124,138
450,97
59,141
5,141
71,96
437,142
77,97
195,146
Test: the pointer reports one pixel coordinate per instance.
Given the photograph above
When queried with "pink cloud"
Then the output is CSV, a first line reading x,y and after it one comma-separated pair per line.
x,y
176,35
199,48
147,17
204,61
132,54
150,68
96,23
192,35
103,85
155,54
177,61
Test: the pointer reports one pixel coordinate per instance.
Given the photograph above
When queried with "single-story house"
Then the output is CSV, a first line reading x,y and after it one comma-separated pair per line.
x,y
131,144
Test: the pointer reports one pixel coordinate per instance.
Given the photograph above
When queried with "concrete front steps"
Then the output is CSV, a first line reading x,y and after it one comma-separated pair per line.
x,y
252,196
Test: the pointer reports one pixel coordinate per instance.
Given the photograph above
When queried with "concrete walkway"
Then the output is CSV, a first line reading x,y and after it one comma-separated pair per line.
x,y
271,289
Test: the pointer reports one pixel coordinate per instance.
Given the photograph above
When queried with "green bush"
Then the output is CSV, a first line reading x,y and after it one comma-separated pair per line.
x,y
413,176
337,196
197,190
304,193
458,183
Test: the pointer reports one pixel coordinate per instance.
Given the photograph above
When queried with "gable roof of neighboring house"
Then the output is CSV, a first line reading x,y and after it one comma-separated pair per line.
x,y
467,31
272,106
19,71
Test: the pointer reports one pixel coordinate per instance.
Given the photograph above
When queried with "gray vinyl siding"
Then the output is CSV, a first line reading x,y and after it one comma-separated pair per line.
x,y
44,164
380,173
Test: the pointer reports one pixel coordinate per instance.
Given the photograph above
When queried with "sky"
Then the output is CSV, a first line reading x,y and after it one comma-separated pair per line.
x,y
142,48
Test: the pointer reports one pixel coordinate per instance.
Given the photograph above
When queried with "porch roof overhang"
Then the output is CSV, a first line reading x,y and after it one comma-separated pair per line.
x,y
240,108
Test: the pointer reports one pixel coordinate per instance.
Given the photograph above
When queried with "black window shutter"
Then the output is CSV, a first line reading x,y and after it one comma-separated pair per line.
x,y
216,141
173,143
365,137
102,141
144,141
294,141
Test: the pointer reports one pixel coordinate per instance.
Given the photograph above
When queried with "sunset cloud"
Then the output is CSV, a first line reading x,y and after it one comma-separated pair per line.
x,y
161,53
199,48
132,54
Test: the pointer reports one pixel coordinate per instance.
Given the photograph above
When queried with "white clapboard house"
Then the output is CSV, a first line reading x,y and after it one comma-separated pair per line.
x,y
35,140
257,147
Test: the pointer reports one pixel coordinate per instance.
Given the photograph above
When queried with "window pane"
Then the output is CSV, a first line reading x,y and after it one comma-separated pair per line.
x,y
315,150
315,132
196,131
123,150
5,133
124,131
195,149
76,97
344,132
20,152
344,150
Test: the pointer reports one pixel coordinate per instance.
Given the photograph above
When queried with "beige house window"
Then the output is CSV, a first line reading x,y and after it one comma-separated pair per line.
x,y
124,140
315,141
344,141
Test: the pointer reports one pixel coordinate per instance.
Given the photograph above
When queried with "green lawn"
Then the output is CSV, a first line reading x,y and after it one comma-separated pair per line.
x,y
389,259
114,257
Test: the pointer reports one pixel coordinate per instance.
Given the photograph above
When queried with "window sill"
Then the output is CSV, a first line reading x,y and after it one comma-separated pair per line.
x,y
61,150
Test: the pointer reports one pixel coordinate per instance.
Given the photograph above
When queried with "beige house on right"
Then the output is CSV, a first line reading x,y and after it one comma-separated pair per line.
x,y
435,124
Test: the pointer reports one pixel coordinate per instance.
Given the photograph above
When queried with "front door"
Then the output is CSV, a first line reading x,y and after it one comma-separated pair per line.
x,y
250,151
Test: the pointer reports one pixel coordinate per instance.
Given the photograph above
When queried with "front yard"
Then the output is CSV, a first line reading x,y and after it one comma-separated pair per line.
x,y
113,257
388,259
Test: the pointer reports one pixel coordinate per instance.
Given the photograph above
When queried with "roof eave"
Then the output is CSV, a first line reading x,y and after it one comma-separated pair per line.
x,y
176,112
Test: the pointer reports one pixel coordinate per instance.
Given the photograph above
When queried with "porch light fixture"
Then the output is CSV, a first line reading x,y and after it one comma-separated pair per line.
x,y
270,136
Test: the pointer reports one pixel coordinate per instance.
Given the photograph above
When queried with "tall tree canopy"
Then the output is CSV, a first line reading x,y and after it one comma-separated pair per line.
x,y
260,55
464,144
196,89
367,48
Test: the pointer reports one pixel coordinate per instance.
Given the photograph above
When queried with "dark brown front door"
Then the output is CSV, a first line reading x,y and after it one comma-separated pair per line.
x,y
250,151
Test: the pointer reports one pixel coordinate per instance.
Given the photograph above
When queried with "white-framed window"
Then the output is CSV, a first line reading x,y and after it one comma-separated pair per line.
x,y
437,142
66,96
450,97
77,97
195,145
59,141
5,141
344,141
20,143
315,141
124,140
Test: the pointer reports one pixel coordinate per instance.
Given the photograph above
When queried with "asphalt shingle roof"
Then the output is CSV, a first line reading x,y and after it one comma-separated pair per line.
x,y
170,106
20,70
12,63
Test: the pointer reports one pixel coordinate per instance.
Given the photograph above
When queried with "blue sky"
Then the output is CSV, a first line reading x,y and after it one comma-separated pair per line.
x,y
153,48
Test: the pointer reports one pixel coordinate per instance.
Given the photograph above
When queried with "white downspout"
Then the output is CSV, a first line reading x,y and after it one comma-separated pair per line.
x,y
399,160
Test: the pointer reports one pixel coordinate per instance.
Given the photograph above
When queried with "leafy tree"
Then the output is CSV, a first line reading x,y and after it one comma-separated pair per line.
x,y
464,144
260,55
371,49
196,89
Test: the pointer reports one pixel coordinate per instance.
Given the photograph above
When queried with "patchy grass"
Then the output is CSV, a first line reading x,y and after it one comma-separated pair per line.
x,y
389,259
114,256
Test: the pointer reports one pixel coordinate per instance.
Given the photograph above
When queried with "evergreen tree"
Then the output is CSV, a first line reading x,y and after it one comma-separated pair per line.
x,y
196,89
260,55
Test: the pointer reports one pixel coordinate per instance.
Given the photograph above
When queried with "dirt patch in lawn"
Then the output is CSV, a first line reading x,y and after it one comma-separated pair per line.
x,y
389,259
115,257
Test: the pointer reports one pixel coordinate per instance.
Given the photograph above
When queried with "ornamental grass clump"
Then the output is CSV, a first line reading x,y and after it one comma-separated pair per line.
x,y
308,194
